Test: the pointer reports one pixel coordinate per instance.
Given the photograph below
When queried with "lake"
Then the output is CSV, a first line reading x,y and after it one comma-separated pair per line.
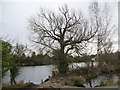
x,y
35,74
31,74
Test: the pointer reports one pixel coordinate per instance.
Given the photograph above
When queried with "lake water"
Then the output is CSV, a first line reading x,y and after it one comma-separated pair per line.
x,y
31,74
35,74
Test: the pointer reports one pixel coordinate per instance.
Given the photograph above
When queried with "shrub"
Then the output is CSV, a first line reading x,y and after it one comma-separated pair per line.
x,y
75,81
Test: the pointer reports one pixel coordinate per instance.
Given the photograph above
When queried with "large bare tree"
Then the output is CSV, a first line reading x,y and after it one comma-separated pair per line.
x,y
66,31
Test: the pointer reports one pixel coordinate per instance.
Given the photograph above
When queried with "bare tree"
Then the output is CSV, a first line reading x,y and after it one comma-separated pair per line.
x,y
104,26
19,50
67,32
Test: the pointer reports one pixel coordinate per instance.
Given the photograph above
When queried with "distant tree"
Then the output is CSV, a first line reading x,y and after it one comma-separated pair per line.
x,y
40,59
33,58
23,59
18,51
104,26
65,32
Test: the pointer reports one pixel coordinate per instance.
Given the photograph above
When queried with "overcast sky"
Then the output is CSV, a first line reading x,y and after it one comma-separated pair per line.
x,y
15,14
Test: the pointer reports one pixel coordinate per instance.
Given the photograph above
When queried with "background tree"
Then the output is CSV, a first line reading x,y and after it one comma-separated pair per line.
x,y
18,51
104,26
67,32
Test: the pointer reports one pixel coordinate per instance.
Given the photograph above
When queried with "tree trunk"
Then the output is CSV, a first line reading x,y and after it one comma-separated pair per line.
x,y
63,64
90,83
12,77
13,81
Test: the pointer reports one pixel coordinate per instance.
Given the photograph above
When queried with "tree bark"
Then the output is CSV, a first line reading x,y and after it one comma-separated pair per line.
x,y
63,64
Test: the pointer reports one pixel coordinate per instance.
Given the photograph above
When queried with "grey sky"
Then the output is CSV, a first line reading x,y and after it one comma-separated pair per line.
x,y
15,14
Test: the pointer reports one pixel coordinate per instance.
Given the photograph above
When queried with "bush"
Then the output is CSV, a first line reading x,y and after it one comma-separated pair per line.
x,y
75,81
